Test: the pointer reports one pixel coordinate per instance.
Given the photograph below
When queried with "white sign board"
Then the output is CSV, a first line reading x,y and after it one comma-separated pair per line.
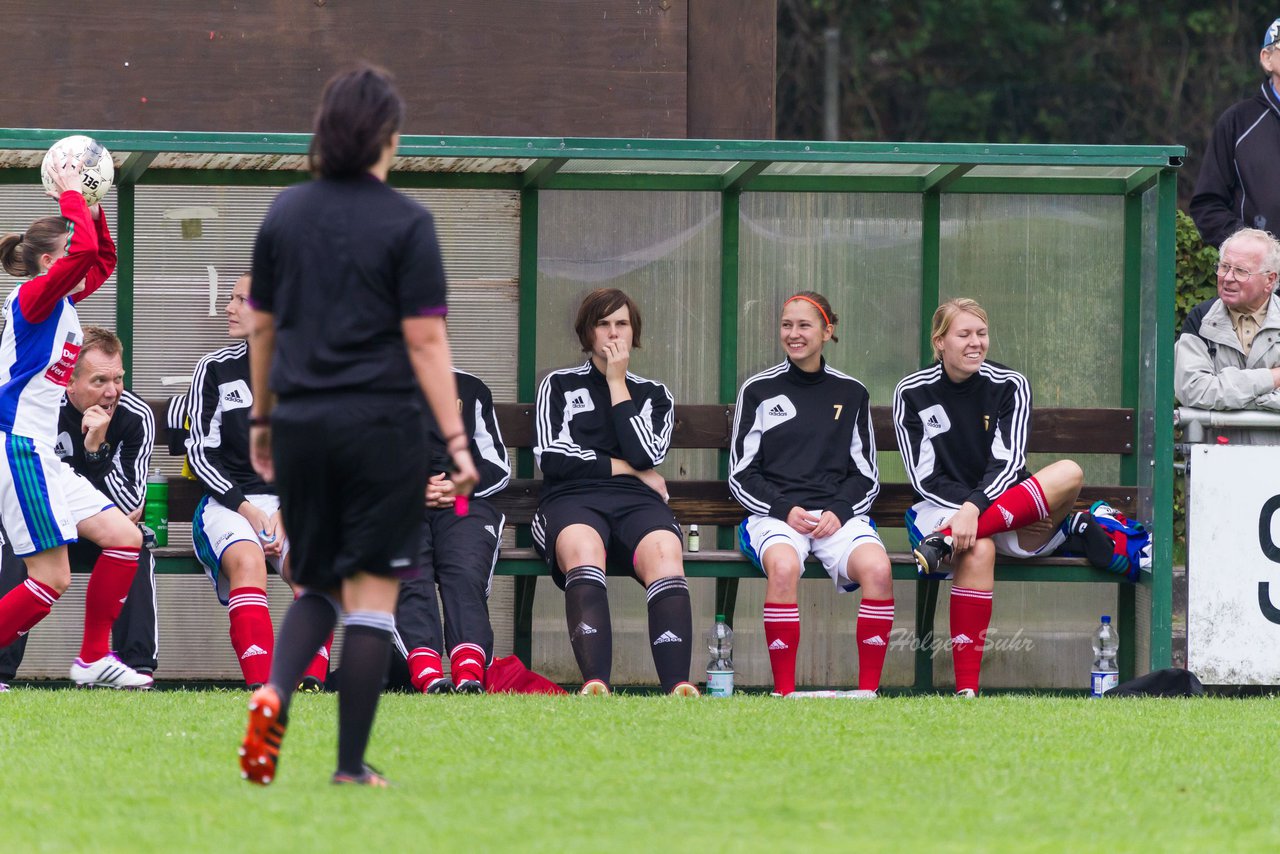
x,y
1233,565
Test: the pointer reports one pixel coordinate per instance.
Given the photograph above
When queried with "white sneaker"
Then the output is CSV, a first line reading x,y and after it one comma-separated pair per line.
x,y
967,694
108,672
863,694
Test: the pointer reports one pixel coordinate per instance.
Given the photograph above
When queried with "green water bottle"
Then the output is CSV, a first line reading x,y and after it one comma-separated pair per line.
x,y
156,515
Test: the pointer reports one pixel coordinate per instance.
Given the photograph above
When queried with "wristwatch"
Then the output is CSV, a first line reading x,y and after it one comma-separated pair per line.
x,y
104,451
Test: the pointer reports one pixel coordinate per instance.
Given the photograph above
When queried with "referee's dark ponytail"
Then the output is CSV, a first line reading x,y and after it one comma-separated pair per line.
x,y
359,112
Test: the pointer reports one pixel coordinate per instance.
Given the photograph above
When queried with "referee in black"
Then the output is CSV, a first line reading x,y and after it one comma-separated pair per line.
x,y
348,335
106,434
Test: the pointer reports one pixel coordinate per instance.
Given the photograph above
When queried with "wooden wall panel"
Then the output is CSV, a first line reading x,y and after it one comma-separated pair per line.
x,y
732,68
478,67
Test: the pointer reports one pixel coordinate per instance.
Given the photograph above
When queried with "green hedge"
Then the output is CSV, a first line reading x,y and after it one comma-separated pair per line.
x,y
1197,278
1197,281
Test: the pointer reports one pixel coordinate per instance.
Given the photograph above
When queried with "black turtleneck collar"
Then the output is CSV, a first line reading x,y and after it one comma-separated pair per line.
x,y
798,375
962,386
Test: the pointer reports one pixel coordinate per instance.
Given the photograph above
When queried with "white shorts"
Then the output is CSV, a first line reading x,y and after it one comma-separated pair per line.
x,y
925,517
215,529
758,533
42,499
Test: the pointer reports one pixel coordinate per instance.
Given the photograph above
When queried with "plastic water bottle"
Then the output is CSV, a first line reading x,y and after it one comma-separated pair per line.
x,y
1106,645
720,663
156,514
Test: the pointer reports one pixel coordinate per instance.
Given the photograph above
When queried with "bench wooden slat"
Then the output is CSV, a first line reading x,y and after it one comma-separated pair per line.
x,y
709,502
695,502
1054,430
1064,430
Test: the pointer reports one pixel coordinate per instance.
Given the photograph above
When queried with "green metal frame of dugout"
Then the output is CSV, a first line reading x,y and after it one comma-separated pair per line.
x,y
949,180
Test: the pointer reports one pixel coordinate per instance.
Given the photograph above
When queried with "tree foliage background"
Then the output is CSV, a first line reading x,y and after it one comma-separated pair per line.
x,y
1104,72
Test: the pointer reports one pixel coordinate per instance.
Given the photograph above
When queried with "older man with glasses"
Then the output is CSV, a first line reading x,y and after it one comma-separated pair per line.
x,y
1228,355
1239,184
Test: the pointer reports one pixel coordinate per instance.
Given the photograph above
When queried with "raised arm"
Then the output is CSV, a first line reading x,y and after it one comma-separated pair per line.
x,y
105,262
644,432
38,297
127,480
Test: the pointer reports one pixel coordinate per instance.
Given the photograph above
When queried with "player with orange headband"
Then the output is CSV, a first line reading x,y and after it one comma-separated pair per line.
x,y
803,464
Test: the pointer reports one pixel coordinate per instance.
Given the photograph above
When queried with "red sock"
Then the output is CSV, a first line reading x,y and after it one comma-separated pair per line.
x,y
466,661
875,619
1016,507
252,636
319,666
23,607
425,667
782,631
108,588
970,618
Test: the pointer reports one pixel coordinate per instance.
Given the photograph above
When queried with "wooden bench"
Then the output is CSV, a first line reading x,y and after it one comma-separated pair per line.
x,y
1064,432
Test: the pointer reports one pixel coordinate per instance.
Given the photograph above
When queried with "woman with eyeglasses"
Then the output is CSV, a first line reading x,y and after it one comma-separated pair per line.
x,y
962,427
1228,355
803,465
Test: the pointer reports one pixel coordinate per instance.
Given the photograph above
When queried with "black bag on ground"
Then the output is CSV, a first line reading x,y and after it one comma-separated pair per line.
x,y
1170,682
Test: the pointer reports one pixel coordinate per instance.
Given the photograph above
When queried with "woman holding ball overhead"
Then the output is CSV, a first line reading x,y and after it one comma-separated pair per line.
x,y
803,464
43,504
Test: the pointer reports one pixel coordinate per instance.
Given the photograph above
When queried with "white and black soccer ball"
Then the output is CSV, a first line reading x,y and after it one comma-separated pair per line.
x,y
99,171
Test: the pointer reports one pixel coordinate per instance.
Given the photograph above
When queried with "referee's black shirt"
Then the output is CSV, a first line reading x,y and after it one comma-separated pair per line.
x,y
360,258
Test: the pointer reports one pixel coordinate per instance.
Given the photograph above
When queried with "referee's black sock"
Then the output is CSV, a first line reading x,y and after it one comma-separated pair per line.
x,y
586,610
366,650
670,629
306,627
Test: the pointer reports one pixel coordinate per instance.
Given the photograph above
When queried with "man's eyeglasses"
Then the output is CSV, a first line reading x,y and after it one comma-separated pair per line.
x,y
1240,272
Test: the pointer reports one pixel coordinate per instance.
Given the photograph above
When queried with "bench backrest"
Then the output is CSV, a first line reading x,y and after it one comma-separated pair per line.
x,y
710,426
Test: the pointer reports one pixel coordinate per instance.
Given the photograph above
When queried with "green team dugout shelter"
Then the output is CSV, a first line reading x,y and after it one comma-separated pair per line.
x,y
1070,248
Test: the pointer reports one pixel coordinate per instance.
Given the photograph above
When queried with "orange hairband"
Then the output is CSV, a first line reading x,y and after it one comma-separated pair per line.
x,y
812,303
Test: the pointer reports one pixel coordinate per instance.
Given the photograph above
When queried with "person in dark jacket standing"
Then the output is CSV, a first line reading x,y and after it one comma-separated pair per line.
x,y
348,335
601,431
1239,185
803,464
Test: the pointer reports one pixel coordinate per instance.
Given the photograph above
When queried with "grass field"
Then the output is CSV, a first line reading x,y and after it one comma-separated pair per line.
x,y
108,771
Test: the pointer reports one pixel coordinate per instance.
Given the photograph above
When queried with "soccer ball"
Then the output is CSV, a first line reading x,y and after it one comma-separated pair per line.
x,y
99,171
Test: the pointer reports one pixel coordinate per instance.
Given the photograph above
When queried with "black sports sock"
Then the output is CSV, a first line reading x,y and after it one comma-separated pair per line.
x,y
306,627
366,649
586,611
1084,534
670,630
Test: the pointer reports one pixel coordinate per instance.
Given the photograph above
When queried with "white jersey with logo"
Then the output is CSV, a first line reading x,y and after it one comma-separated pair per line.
x,y
218,407
36,361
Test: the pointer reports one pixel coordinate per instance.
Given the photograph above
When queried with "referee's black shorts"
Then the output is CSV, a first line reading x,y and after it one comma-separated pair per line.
x,y
622,514
351,470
